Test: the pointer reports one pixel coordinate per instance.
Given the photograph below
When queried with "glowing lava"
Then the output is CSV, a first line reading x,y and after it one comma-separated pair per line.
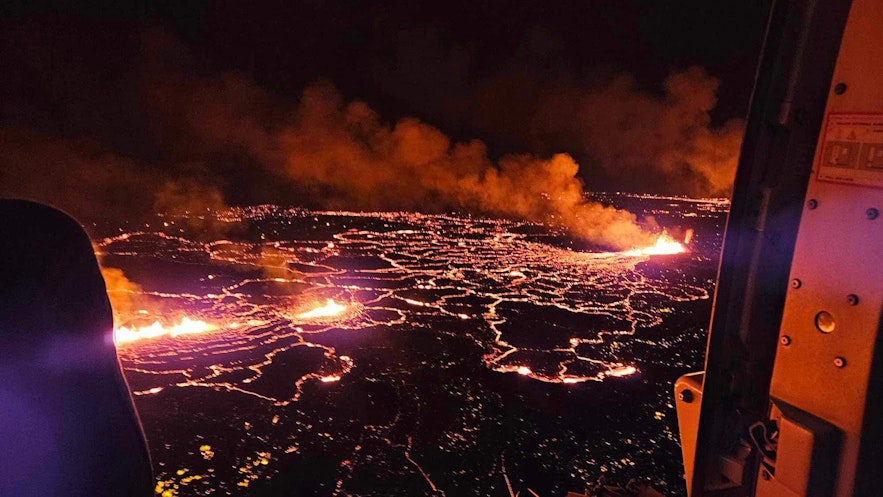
x,y
622,371
126,334
532,311
330,309
665,245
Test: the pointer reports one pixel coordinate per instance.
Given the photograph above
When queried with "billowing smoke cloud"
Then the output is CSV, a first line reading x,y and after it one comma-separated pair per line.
x,y
130,303
631,131
641,138
662,143
346,153
196,136
82,179
195,204
125,296
92,183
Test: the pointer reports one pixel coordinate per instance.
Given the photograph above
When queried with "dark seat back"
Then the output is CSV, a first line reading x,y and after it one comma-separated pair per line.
x,y
67,422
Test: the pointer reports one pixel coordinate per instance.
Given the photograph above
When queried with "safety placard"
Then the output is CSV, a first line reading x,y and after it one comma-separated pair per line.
x,y
852,151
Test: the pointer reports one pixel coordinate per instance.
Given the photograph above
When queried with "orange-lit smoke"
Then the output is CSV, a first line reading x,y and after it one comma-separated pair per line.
x,y
81,178
128,301
196,203
351,158
631,132
125,296
92,183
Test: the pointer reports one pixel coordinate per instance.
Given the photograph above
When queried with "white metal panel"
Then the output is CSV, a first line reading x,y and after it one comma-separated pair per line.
x,y
839,250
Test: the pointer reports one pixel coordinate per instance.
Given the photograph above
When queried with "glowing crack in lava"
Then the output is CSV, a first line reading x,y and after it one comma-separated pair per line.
x,y
308,327
330,309
186,326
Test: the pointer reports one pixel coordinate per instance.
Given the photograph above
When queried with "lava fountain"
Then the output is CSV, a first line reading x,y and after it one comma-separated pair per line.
x,y
186,326
330,309
665,245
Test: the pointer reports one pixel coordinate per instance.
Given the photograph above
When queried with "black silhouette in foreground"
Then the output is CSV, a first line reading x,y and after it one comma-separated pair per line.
x,y
67,423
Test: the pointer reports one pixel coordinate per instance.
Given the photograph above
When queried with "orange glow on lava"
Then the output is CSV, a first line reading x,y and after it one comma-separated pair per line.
x,y
126,334
330,309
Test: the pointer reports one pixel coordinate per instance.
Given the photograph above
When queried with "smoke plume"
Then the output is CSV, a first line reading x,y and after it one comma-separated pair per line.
x,y
351,158
125,296
665,143
639,137
192,137
92,183
630,130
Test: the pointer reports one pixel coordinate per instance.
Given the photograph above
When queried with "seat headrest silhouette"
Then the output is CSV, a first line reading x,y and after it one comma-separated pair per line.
x,y
67,422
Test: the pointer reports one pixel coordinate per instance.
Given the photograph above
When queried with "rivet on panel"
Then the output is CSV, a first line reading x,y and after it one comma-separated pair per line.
x,y
812,203
852,299
785,340
872,213
796,283
840,88
839,362
825,322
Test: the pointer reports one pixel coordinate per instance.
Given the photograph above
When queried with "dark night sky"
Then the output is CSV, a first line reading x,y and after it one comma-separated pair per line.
x,y
486,70
364,45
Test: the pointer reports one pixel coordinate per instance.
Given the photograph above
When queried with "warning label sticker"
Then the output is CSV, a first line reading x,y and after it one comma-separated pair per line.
x,y
852,151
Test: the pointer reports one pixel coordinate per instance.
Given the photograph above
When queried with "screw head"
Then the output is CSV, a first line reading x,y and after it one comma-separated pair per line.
x,y
785,340
872,213
852,299
840,88
812,203
839,362
765,474
796,283
685,396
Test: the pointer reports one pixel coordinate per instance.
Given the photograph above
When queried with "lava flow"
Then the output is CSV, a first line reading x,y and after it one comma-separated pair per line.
x,y
186,326
420,269
399,311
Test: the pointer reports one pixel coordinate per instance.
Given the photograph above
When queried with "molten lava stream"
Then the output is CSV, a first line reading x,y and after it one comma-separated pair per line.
x,y
186,326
